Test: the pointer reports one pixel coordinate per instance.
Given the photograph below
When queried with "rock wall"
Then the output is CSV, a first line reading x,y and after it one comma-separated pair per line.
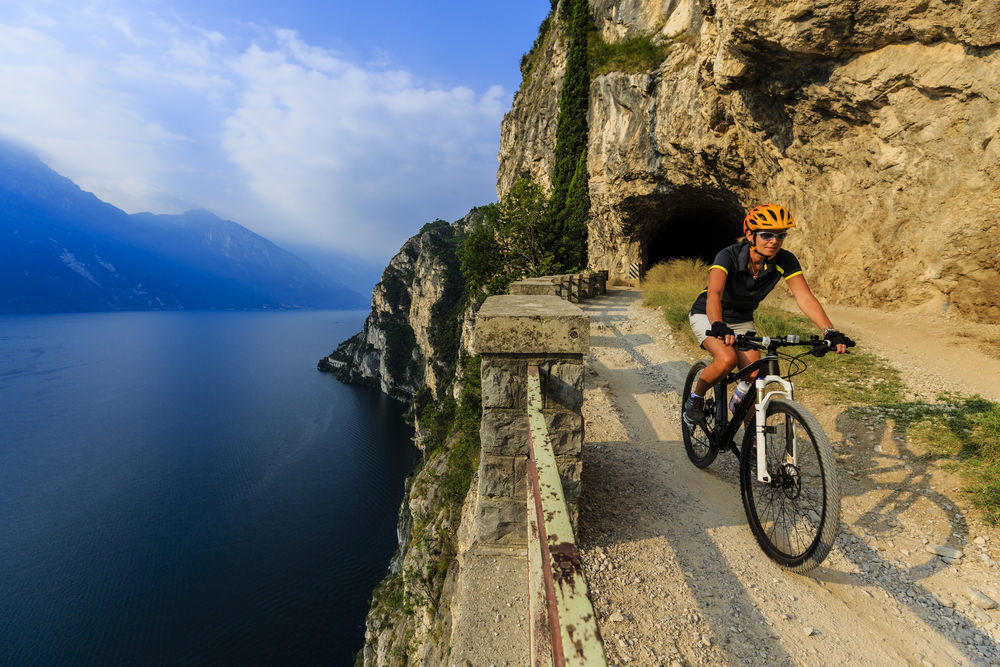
x,y
874,122
410,613
528,131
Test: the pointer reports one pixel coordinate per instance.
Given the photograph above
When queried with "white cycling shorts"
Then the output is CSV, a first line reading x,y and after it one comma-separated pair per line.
x,y
700,324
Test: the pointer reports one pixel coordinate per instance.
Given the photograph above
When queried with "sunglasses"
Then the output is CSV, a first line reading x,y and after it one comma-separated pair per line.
x,y
770,236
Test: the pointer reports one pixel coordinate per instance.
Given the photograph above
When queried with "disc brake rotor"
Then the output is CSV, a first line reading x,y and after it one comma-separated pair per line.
x,y
791,483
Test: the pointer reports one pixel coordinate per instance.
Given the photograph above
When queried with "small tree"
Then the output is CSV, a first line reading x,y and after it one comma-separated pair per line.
x,y
510,243
481,261
521,219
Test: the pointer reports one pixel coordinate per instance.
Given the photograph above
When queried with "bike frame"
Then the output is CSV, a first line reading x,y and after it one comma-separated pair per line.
x,y
769,374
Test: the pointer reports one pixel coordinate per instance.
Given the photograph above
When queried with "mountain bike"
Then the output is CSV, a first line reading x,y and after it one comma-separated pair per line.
x,y
788,476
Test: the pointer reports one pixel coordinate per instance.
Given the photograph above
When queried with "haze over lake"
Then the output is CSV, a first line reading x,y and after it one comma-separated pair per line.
x,y
186,488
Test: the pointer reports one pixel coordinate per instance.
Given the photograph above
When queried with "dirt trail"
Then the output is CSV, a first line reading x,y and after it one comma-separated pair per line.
x,y
934,354
677,577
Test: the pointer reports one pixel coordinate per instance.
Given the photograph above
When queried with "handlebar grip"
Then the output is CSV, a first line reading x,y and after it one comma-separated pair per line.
x,y
828,346
848,343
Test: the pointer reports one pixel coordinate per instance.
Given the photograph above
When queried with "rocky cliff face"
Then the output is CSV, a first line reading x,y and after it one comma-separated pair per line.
x,y
409,618
409,339
874,122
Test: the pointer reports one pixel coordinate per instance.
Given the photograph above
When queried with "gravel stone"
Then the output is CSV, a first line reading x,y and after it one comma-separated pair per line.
x,y
980,599
944,552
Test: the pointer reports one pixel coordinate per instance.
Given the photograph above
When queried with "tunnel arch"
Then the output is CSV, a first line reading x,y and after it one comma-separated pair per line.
x,y
698,232
690,222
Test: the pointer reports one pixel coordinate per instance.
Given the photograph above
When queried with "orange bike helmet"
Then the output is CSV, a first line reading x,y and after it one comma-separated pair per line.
x,y
767,216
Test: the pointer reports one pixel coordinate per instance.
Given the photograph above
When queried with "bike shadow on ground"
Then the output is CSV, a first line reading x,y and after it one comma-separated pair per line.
x,y
904,479
693,550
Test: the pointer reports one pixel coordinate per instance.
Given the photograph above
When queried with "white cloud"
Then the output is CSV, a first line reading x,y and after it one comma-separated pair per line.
x,y
191,54
368,155
292,140
35,18
125,28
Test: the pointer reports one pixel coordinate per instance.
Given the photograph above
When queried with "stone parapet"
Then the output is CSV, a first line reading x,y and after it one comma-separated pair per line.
x,y
572,287
545,286
531,325
513,332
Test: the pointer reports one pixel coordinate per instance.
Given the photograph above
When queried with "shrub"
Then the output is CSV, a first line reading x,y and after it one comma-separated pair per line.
x,y
673,286
639,54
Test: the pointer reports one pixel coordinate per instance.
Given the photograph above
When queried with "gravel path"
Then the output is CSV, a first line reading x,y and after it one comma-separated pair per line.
x,y
677,578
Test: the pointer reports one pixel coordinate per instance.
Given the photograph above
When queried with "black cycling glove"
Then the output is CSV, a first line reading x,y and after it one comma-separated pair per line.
x,y
720,330
836,338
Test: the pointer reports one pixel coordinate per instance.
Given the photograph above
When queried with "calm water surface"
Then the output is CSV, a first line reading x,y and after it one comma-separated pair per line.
x,y
186,488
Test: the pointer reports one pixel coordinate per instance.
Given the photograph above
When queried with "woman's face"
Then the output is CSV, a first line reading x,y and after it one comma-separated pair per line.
x,y
768,247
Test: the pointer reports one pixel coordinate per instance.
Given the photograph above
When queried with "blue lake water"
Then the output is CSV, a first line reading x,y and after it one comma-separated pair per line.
x,y
186,488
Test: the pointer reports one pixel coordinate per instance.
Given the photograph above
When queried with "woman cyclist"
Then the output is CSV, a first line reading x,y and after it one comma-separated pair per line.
x,y
739,279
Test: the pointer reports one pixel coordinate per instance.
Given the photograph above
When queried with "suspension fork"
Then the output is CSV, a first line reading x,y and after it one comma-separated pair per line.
x,y
770,374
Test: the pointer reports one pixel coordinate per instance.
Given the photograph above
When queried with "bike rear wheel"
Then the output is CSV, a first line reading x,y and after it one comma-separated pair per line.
x,y
795,517
699,440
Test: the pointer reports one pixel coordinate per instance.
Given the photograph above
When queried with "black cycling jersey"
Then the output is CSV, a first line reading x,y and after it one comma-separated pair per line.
x,y
743,293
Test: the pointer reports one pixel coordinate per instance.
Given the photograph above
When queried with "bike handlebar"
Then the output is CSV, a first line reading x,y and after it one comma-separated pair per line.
x,y
751,340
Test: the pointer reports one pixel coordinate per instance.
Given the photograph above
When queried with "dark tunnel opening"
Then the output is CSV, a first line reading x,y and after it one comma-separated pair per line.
x,y
694,232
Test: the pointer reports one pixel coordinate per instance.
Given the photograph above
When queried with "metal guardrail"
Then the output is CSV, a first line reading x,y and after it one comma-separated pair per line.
x,y
563,627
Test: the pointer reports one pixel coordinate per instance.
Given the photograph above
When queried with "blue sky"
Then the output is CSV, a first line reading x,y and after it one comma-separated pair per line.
x,y
340,125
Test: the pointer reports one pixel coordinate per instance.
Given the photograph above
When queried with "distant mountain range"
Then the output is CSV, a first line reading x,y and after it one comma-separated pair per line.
x,y
63,249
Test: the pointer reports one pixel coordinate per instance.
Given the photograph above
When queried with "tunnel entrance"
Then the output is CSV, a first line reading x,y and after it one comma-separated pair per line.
x,y
693,232
678,221
688,222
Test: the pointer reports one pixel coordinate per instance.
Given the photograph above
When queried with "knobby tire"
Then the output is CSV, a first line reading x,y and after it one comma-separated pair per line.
x,y
795,518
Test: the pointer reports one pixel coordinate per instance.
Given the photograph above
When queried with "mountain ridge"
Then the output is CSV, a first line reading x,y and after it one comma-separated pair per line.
x,y
64,249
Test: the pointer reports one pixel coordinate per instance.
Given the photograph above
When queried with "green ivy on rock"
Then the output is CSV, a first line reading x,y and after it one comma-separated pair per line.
x,y
568,237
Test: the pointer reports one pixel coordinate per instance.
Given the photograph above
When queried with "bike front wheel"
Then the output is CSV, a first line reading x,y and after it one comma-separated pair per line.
x,y
795,516
699,439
